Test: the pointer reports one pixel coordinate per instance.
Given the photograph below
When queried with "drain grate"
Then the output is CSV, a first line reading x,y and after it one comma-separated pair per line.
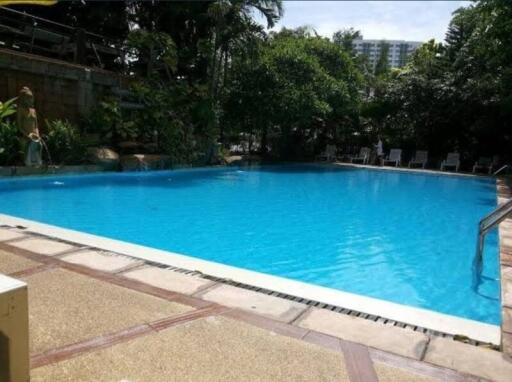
x,y
339,309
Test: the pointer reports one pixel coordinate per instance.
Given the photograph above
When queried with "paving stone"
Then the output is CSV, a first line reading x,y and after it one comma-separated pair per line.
x,y
168,279
506,259
506,292
506,224
207,350
268,306
506,344
393,374
102,261
506,273
43,246
66,307
505,242
10,234
481,362
389,338
506,316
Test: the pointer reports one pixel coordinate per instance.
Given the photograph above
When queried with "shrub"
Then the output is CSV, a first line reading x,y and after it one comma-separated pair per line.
x,y
9,143
107,120
7,108
64,142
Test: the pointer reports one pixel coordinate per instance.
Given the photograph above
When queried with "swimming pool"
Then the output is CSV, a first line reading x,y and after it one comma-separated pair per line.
x,y
407,238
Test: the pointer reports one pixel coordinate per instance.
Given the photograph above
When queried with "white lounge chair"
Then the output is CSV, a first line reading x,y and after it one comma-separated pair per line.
x,y
364,156
394,157
420,159
452,160
483,163
329,154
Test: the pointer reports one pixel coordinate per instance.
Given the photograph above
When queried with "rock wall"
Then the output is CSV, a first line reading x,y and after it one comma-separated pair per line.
x,y
62,90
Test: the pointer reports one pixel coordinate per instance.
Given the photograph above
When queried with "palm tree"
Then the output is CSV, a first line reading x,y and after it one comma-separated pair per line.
x,y
235,30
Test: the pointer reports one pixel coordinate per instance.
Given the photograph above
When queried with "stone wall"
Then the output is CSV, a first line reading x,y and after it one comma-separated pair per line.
x,y
62,90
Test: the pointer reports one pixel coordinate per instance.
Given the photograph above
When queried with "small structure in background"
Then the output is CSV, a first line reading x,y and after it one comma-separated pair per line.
x,y
27,123
398,51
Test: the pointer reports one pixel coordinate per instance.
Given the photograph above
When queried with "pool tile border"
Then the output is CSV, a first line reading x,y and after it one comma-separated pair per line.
x,y
504,193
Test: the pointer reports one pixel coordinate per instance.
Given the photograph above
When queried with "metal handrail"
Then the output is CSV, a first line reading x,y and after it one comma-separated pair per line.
x,y
497,215
501,169
487,223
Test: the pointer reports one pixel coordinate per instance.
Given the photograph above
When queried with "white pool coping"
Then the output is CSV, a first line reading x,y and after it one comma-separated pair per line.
x,y
419,171
414,316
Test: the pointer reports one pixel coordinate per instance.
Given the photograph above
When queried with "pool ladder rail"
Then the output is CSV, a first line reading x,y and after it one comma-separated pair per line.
x,y
502,168
486,224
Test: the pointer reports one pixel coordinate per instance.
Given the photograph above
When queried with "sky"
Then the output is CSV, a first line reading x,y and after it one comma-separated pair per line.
x,y
390,20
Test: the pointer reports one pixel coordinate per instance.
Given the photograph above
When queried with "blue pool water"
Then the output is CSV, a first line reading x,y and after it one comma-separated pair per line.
x,y
401,237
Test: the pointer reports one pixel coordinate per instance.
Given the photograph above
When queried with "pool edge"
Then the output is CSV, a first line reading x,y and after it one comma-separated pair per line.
x,y
428,319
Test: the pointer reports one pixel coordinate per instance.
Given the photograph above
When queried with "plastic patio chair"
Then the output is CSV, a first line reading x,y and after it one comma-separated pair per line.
x,y
329,154
394,157
420,159
452,160
364,156
483,163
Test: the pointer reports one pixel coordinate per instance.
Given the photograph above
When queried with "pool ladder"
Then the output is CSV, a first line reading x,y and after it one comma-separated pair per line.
x,y
486,224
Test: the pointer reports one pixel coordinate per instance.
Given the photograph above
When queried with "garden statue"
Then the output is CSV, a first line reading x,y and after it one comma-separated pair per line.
x,y
27,123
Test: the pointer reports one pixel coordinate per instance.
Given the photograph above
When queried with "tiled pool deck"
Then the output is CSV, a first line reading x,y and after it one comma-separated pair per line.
x,y
505,237
99,316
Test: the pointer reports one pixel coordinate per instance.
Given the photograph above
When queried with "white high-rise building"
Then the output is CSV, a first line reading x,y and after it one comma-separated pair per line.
x,y
399,50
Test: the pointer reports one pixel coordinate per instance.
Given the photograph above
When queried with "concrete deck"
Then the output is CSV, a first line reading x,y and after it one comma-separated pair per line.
x,y
13,264
90,321
211,349
67,307
505,235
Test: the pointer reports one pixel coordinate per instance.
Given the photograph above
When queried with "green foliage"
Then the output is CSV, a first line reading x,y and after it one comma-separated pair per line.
x,y
454,96
298,86
107,120
180,118
9,143
64,142
155,50
7,108
209,72
344,39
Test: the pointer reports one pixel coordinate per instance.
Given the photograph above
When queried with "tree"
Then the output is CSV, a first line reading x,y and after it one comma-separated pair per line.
x,y
344,39
299,88
455,96
382,65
